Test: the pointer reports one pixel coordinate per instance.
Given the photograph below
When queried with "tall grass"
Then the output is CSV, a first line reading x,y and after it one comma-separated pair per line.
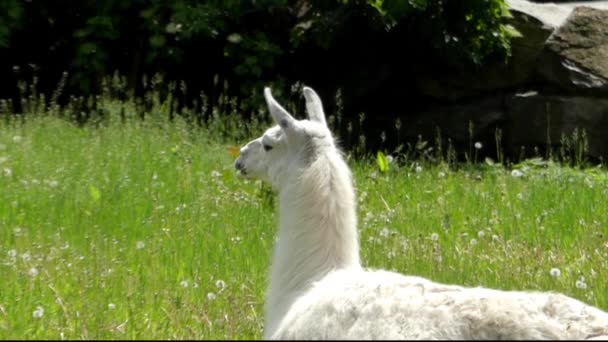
x,y
123,228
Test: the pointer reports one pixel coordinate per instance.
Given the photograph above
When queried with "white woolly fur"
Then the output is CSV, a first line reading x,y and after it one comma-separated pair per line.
x,y
318,288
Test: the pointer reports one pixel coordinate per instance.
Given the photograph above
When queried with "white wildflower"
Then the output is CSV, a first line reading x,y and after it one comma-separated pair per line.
x,y
183,283
215,173
17,138
111,306
211,296
478,145
418,169
140,244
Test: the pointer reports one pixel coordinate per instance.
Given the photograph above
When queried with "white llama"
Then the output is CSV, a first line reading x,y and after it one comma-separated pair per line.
x,y
318,288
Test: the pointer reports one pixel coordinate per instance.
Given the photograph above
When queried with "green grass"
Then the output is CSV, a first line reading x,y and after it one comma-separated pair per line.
x,y
142,230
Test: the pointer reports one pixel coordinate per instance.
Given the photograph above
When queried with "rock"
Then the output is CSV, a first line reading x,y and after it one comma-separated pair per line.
x,y
550,14
563,45
535,22
576,55
532,118
486,114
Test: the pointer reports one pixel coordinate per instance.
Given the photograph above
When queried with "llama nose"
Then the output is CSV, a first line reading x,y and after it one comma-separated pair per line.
x,y
238,165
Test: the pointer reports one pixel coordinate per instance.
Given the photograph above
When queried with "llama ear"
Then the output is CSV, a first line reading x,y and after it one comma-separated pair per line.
x,y
279,114
314,107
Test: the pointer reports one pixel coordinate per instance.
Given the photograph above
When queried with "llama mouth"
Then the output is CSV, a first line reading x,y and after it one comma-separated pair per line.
x,y
241,171
240,168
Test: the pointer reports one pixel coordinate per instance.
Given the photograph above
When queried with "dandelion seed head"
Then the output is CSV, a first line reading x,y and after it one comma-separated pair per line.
x,y
418,169
384,232
473,242
211,296
581,284
33,272
111,306
39,312
220,284
481,234
215,174
183,283
12,253
140,244
435,237
555,272
478,145
516,173
26,256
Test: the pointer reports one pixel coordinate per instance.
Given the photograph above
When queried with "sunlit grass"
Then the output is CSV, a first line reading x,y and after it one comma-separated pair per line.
x,y
142,230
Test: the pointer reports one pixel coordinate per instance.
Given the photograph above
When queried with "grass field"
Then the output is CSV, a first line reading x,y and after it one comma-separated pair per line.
x,y
142,230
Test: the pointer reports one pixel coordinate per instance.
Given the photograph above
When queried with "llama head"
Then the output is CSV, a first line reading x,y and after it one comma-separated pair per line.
x,y
289,146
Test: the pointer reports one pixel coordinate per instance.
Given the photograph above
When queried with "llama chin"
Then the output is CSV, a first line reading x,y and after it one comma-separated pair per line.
x,y
318,288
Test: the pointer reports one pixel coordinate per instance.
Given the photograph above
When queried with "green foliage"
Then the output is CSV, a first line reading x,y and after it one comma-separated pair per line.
x,y
382,161
474,29
248,39
11,12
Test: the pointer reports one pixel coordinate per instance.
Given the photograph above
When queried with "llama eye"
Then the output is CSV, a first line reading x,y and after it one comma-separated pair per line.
x,y
267,148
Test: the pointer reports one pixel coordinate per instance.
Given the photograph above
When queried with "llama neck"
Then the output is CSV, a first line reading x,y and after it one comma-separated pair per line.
x,y
317,232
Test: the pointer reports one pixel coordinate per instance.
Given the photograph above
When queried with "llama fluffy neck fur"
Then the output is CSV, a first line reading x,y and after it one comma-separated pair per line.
x,y
317,231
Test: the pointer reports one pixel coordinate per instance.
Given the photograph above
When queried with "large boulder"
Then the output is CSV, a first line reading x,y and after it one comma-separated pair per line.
x,y
575,57
559,70
536,120
562,45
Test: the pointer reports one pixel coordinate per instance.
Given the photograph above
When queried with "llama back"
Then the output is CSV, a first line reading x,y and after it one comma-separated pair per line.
x,y
388,305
